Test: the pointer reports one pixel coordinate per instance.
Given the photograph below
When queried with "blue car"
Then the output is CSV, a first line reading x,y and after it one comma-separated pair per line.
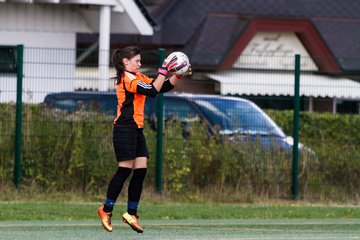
x,y
82,100
233,117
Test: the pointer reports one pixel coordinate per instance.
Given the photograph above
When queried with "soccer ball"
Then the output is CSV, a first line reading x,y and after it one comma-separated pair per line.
x,y
181,61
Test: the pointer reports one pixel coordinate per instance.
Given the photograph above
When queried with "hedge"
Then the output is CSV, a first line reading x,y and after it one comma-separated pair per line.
x,y
68,152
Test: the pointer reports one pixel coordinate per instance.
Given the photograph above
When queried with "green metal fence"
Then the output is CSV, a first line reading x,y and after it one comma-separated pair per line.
x,y
64,151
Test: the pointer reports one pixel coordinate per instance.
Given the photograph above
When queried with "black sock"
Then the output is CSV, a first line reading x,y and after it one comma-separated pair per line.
x,y
115,186
135,189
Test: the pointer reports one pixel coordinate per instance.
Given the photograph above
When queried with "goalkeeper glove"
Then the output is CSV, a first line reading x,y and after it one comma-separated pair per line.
x,y
168,65
187,73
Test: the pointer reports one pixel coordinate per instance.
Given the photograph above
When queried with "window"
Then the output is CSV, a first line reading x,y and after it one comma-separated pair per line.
x,y
236,115
8,59
179,109
68,104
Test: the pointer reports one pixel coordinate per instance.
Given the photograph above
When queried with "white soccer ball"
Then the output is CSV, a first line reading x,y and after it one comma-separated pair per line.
x,y
182,63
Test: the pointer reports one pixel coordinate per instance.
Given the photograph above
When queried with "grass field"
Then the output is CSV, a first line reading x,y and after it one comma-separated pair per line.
x,y
55,211
71,221
186,229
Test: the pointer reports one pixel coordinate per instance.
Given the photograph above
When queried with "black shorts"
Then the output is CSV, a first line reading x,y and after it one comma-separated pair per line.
x,y
129,143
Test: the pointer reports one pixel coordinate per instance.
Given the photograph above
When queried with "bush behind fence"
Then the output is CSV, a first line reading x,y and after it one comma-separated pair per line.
x,y
66,152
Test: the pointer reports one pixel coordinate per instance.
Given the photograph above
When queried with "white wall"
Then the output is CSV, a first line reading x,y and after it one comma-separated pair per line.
x,y
275,51
45,70
48,33
38,39
21,17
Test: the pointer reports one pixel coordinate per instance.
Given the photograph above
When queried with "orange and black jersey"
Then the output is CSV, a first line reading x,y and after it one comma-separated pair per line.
x,y
131,94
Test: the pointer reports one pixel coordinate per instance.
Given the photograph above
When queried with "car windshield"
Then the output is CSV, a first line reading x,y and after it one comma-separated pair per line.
x,y
235,116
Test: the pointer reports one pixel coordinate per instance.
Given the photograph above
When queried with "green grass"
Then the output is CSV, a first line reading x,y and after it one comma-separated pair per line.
x,y
56,220
240,229
15,211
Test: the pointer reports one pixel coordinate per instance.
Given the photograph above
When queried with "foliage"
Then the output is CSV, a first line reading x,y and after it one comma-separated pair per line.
x,y
72,152
335,139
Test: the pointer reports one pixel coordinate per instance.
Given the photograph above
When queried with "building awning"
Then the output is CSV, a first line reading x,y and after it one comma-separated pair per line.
x,y
282,84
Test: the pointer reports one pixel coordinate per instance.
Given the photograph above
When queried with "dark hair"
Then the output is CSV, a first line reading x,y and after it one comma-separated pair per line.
x,y
117,59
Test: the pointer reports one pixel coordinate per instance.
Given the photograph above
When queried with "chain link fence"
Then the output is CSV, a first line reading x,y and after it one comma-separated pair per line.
x,y
69,145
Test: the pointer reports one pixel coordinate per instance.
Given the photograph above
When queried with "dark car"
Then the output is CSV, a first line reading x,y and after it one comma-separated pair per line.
x,y
233,117
86,100
229,116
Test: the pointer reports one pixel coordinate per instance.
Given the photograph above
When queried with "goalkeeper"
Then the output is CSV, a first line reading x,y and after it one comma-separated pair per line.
x,y
129,142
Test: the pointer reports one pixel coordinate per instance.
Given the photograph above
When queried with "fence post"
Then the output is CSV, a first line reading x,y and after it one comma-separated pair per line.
x,y
159,131
295,164
18,126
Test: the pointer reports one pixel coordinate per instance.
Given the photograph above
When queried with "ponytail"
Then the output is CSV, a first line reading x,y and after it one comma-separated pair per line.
x,y
117,59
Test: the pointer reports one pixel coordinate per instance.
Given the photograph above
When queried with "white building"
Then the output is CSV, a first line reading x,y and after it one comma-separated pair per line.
x,y
48,28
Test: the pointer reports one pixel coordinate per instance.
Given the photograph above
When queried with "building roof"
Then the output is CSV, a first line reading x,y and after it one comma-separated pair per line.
x,y
81,16
212,26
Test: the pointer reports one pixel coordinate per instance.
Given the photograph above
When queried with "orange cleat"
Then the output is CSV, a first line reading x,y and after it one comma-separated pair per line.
x,y
105,219
132,221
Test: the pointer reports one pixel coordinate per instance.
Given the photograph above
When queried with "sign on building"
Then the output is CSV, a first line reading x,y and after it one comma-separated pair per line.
x,y
274,51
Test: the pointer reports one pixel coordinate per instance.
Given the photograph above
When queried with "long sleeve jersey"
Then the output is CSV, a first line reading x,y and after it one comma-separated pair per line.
x,y
131,95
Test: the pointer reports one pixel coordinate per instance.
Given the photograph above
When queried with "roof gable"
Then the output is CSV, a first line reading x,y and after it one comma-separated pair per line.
x,y
304,29
336,25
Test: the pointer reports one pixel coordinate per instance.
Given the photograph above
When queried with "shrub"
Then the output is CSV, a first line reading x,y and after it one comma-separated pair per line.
x,y
67,152
335,139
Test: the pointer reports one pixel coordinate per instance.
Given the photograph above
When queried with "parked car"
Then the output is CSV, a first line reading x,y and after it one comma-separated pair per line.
x,y
229,116
86,100
232,117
